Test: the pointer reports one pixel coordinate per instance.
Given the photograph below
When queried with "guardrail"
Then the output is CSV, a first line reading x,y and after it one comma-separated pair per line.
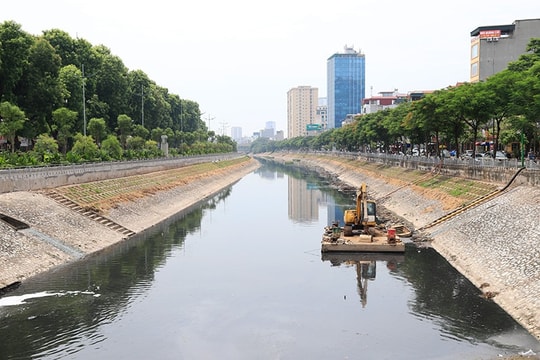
x,y
435,161
486,169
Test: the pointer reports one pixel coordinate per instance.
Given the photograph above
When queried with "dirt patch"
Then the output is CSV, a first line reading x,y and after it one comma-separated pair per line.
x,y
101,196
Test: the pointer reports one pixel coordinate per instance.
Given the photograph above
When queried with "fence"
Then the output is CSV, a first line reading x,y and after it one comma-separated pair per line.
x,y
486,169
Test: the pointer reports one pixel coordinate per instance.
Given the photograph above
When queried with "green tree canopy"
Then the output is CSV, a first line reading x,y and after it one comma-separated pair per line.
x,y
12,119
85,148
112,148
97,128
62,124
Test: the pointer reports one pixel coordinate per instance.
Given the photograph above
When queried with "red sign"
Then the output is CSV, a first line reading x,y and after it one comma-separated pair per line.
x,y
490,34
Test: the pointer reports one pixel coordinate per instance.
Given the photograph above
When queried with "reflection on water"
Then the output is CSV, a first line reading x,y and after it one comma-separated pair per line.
x,y
365,266
241,277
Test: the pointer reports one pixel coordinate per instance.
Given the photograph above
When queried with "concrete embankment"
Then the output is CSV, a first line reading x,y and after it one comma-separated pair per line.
x,y
57,234
496,245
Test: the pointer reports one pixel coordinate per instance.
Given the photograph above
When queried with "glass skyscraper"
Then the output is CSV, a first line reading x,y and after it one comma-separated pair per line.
x,y
346,85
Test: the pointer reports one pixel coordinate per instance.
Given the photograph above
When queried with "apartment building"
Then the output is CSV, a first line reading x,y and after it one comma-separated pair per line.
x,y
493,47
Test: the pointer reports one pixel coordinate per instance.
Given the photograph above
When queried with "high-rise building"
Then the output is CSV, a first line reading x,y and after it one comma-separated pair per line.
x,y
301,110
236,133
494,47
322,113
346,85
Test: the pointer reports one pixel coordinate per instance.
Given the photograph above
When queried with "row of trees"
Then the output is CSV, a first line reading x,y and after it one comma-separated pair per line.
x,y
499,109
65,88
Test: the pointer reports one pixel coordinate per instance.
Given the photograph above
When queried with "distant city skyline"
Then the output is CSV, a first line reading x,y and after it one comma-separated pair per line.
x,y
239,65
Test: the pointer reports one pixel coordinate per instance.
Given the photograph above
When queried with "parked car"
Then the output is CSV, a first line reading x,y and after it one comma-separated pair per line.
x,y
499,155
467,154
479,156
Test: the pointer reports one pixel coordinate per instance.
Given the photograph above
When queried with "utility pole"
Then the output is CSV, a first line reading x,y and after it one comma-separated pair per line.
x,y
223,127
142,105
208,118
83,102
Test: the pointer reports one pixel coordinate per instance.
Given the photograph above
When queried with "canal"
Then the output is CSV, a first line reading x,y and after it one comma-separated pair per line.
x,y
241,276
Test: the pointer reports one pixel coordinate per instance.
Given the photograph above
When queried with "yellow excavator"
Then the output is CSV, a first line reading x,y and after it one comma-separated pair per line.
x,y
363,217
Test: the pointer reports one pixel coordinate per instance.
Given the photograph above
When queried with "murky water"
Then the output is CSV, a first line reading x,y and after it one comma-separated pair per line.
x,y
242,277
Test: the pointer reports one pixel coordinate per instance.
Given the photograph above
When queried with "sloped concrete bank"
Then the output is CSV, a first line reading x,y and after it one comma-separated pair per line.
x,y
58,235
495,245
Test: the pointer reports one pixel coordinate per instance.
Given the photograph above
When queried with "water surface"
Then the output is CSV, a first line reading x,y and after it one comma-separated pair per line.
x,y
242,277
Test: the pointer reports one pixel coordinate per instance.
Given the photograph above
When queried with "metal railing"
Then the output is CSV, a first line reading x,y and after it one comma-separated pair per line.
x,y
433,161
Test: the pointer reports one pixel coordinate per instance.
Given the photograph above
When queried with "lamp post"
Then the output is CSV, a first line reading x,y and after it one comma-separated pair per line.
x,y
522,149
142,105
83,101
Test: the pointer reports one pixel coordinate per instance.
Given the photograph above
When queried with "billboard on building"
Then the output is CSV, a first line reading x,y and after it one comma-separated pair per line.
x,y
484,34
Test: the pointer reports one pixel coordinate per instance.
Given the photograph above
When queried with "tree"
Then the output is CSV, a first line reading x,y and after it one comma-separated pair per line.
x,y
472,104
140,131
12,119
503,85
112,148
191,120
111,85
64,45
156,133
39,89
63,120
427,119
125,124
135,143
46,147
14,50
85,147
527,104
70,81
97,128
529,58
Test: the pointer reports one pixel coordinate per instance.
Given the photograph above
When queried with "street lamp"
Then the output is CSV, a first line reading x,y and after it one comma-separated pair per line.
x,y
522,149
83,101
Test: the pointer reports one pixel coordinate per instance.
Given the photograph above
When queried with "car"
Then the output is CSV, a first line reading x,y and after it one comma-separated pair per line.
x,y
479,156
499,155
467,154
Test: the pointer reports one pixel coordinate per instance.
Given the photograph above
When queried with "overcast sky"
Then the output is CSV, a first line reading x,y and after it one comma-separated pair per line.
x,y
238,58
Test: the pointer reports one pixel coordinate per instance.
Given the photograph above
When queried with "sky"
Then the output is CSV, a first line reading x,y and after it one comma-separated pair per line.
x,y
238,58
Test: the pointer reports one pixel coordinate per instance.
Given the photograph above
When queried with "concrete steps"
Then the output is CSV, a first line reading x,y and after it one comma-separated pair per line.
x,y
61,199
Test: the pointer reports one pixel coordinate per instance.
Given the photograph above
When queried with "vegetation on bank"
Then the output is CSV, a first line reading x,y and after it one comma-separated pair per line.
x,y
64,100
455,190
465,116
102,195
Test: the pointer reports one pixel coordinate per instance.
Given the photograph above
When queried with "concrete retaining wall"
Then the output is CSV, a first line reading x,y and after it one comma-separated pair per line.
x,y
37,178
486,170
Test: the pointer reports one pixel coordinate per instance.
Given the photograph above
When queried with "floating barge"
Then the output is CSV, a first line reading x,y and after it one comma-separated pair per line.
x,y
371,240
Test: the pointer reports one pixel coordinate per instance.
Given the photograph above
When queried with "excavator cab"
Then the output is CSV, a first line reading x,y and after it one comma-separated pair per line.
x,y
363,216
370,218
